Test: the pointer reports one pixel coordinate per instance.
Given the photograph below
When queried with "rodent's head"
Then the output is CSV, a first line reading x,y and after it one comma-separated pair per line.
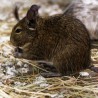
x,y
25,30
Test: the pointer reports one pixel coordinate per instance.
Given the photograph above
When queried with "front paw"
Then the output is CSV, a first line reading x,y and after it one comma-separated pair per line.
x,y
18,52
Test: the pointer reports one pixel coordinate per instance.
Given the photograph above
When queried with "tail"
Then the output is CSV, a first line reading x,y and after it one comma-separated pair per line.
x,y
69,9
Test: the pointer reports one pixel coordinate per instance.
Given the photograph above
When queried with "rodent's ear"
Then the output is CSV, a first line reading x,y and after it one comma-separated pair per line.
x,y
15,12
32,12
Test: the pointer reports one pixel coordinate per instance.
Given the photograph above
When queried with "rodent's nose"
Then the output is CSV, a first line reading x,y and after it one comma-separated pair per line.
x,y
18,50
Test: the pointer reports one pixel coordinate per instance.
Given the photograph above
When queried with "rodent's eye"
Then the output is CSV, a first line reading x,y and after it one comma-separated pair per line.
x,y
18,30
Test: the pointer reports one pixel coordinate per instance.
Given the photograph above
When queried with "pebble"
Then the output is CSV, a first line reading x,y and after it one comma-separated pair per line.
x,y
84,74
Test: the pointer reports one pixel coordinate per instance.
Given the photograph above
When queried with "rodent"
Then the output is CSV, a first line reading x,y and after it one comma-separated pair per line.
x,y
61,39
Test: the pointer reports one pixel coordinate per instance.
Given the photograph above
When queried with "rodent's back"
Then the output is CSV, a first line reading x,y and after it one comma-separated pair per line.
x,y
67,27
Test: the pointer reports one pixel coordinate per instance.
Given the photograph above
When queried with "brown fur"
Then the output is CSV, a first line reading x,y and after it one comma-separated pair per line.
x,y
61,39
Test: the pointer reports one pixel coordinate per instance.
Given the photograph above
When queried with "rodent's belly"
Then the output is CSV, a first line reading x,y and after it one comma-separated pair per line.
x,y
87,12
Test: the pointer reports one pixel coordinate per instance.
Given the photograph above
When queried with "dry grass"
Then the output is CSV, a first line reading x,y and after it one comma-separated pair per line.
x,y
64,87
